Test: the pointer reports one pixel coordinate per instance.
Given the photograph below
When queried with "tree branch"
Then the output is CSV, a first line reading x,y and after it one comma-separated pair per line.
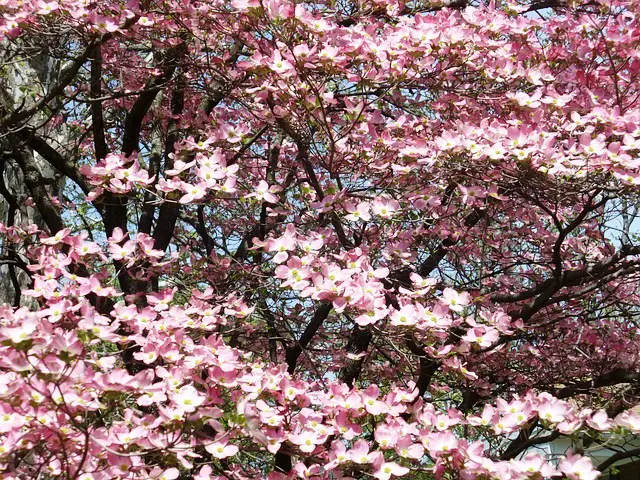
x,y
66,77
97,117
36,185
609,462
55,159
293,351
614,377
169,211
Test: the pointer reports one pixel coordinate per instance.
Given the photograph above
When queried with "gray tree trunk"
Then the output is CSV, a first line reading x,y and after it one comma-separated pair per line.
x,y
21,82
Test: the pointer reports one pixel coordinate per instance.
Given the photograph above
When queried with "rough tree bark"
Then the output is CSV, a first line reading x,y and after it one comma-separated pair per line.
x,y
21,82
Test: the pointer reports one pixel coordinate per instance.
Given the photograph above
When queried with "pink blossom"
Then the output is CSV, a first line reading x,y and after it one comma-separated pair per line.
x,y
553,410
187,398
384,207
407,449
57,238
440,443
22,331
221,449
359,211
306,440
481,336
406,316
388,469
192,192
265,192
454,300
599,421
577,467
360,453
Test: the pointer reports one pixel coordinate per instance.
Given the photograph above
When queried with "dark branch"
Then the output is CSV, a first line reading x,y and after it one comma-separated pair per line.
x,y
97,118
609,462
293,351
64,165
36,186
614,377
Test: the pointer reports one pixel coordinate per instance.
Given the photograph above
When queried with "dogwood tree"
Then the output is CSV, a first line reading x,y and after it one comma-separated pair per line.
x,y
330,239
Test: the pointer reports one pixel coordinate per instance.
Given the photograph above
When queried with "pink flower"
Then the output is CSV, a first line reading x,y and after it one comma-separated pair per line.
x,y
233,133
280,65
46,8
146,244
435,318
404,317
441,443
481,336
170,474
124,252
293,274
386,436
160,300
371,403
306,441
204,473
534,463
23,331
600,421
385,207
87,248
192,192
629,420
360,453
553,411
282,244
337,454
371,317
303,471
57,238
264,192
279,9
454,300
387,469
358,212
487,417
188,398
444,421
221,449
238,308
311,242
448,141
525,100
107,24
471,195
148,354
407,449
577,467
